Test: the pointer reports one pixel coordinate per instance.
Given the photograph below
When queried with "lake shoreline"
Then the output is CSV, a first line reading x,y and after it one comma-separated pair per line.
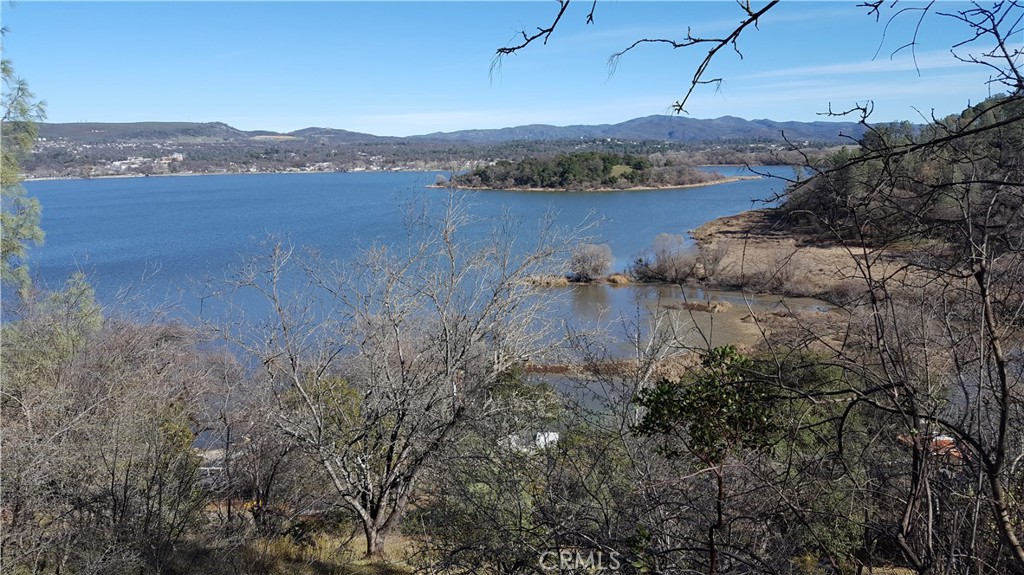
x,y
182,175
29,178
777,258
727,180
194,228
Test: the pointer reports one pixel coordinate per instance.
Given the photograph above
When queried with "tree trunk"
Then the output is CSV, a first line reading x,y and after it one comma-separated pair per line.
x,y
1005,524
375,538
719,521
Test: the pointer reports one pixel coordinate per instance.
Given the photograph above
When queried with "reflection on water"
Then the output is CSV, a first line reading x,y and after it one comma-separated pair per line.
x,y
590,301
686,311
605,305
160,235
701,317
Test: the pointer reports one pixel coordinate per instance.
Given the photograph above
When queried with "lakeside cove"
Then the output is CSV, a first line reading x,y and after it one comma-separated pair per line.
x,y
747,276
165,238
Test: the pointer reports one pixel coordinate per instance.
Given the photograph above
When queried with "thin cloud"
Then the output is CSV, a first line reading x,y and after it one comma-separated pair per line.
x,y
806,100
938,59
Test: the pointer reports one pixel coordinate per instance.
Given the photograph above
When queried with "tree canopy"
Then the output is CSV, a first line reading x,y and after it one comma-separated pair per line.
x,y
579,171
19,217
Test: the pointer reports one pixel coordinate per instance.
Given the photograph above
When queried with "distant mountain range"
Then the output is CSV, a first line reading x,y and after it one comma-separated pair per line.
x,y
665,128
651,128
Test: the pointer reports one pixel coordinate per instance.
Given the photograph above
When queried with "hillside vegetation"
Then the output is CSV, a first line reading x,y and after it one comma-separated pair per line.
x,y
917,185
154,148
580,171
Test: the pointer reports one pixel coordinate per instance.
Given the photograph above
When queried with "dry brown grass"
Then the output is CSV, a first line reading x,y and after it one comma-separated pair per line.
x,y
747,251
322,554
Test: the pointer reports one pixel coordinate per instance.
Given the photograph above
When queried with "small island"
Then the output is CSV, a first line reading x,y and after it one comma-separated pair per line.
x,y
585,172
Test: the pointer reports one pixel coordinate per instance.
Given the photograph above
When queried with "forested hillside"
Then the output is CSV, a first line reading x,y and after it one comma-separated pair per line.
x,y
157,148
580,171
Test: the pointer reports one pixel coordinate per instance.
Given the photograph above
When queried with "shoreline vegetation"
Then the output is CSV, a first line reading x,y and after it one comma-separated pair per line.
x,y
724,180
783,277
746,275
715,182
756,251
723,351
581,171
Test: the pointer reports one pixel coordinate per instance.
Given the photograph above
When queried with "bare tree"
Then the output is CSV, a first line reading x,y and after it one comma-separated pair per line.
x,y
668,260
590,261
381,365
929,358
501,501
930,344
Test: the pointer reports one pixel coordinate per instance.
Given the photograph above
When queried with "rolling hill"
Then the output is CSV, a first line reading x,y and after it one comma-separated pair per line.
x,y
650,128
667,128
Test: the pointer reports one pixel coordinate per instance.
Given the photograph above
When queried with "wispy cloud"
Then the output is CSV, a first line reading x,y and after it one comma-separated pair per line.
x,y
932,60
804,99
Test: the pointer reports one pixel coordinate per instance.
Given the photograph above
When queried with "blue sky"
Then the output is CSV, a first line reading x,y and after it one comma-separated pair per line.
x,y
399,68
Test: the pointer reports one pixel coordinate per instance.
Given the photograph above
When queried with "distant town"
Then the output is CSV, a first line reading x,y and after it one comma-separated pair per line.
x,y
92,150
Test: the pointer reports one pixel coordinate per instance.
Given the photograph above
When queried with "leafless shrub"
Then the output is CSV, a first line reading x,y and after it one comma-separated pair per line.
x,y
668,260
97,415
845,291
711,258
777,271
590,261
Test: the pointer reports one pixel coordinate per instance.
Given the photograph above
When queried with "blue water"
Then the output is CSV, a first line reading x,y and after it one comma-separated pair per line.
x,y
157,239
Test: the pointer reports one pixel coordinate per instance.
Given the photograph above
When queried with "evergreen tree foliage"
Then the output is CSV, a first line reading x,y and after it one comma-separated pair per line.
x,y
19,217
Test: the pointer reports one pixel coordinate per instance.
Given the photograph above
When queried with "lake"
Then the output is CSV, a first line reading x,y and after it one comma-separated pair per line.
x,y
157,238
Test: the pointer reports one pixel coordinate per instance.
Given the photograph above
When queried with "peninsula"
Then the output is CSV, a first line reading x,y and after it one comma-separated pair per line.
x,y
583,171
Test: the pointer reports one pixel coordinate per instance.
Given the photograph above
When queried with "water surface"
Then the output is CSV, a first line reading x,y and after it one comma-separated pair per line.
x,y
159,238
